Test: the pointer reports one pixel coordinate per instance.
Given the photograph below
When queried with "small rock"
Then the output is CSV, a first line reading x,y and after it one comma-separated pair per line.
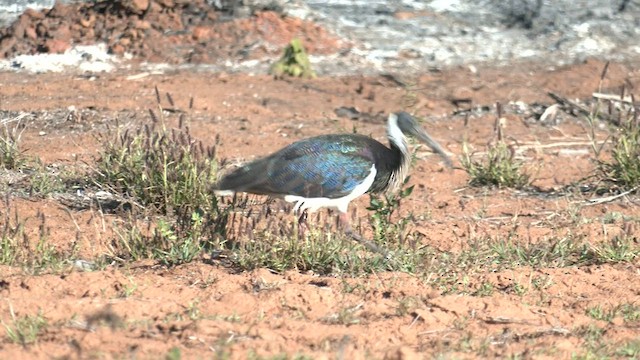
x,y
30,33
142,25
138,6
62,33
201,33
83,265
88,22
117,49
34,14
6,44
56,46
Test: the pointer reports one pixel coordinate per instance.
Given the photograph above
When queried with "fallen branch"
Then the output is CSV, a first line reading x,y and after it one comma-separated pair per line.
x,y
610,198
627,99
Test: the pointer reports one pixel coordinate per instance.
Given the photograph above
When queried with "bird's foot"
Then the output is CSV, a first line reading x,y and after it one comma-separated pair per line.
x,y
369,245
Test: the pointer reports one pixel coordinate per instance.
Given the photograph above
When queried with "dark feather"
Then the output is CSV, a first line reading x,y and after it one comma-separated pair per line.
x,y
324,166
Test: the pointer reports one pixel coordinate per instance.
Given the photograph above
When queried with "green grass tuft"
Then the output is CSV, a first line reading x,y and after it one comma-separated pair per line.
x,y
25,330
161,168
11,157
622,170
18,249
499,168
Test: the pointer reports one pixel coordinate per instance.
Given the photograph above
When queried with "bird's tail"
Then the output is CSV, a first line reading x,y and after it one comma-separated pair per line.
x,y
246,178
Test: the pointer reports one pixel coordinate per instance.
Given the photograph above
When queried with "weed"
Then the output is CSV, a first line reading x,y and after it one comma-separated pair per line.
x,y
612,217
11,157
169,172
499,168
25,330
193,311
599,313
163,169
406,305
345,316
17,249
622,171
485,289
321,252
294,62
630,349
173,354
619,249
170,243
386,229
518,289
43,182
541,282
129,289
629,312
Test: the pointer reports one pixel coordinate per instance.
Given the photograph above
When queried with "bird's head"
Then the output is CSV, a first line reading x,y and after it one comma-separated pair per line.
x,y
407,125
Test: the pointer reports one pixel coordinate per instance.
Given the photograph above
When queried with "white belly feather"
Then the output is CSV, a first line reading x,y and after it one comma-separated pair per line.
x,y
341,204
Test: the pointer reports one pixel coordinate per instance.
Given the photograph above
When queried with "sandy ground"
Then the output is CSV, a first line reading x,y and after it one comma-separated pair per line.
x,y
144,310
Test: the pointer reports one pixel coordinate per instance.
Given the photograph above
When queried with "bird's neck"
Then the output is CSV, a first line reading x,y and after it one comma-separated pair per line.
x,y
398,144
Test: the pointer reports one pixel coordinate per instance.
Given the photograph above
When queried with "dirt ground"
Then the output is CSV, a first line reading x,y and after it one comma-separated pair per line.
x,y
144,310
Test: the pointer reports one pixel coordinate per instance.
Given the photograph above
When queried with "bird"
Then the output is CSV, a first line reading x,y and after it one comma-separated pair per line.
x,y
330,171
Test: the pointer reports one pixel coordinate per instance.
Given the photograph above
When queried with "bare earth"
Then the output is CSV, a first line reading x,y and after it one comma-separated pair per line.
x,y
143,310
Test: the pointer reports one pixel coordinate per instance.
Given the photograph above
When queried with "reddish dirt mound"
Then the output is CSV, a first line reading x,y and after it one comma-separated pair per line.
x,y
160,31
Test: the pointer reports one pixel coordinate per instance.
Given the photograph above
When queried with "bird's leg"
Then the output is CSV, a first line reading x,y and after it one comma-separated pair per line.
x,y
302,224
348,230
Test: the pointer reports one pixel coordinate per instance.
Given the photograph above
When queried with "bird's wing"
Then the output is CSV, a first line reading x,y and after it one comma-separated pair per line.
x,y
326,166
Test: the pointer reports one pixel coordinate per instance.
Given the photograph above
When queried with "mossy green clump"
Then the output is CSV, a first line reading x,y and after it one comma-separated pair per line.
x,y
294,62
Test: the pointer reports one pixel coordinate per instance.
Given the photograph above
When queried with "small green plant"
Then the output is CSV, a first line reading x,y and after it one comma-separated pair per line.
x,y
347,315
17,248
406,305
386,228
163,169
321,252
128,289
176,248
499,168
11,157
168,172
622,171
485,289
629,349
619,249
599,313
25,330
173,354
629,312
294,62
43,182
172,243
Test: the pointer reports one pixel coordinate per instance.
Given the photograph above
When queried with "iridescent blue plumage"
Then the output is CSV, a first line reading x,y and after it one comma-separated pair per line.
x,y
331,170
328,166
